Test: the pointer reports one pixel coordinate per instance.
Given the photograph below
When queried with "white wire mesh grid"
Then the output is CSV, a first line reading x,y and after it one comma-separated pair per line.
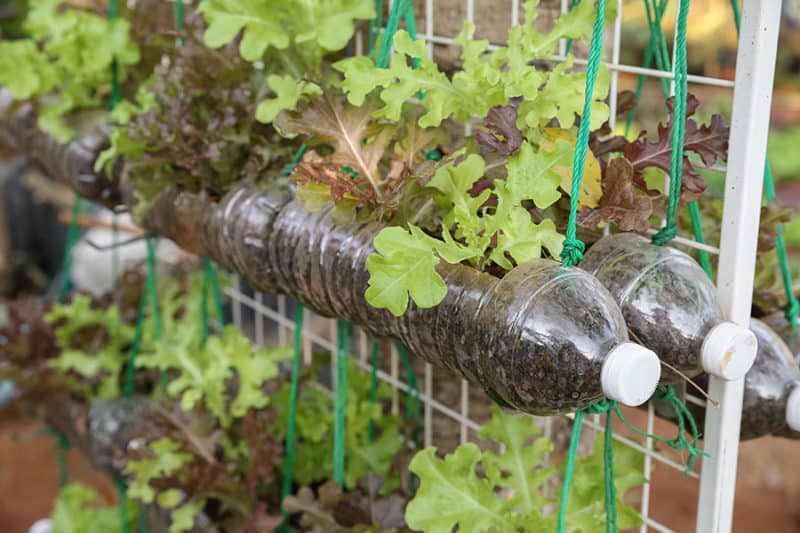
x,y
268,318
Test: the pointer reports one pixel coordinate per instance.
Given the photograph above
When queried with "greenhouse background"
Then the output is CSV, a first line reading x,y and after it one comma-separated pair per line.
x,y
659,480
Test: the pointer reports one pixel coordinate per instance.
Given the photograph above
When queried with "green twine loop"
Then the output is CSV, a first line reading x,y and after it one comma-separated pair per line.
x,y
373,386
669,231
340,401
291,418
685,421
572,251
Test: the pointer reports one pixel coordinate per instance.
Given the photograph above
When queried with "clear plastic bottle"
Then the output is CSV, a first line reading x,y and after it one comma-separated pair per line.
x,y
791,337
670,306
544,339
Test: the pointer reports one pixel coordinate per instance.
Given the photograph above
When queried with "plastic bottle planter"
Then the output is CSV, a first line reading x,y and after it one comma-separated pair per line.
x,y
771,402
544,339
670,305
791,345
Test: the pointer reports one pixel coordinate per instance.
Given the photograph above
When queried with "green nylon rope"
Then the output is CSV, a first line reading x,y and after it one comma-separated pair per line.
x,y
62,448
609,475
291,424
130,367
792,305
572,251
670,229
610,500
568,47
400,8
122,496
657,45
571,255
340,401
667,394
373,386
569,470
412,398
151,287
210,284
649,52
73,233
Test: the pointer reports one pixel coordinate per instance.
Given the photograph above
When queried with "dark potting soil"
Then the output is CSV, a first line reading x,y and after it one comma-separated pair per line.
x,y
535,339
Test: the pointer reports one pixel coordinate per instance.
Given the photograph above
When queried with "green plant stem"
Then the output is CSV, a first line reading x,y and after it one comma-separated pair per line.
x,y
340,402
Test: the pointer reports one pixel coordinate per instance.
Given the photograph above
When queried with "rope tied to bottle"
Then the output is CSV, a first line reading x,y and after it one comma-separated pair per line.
x,y
572,254
573,248
340,401
670,229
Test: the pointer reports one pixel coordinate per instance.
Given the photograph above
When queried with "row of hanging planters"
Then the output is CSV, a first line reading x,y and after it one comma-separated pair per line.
x,y
248,137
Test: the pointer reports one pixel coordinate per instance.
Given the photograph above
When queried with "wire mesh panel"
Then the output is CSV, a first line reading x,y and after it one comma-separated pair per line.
x,y
453,410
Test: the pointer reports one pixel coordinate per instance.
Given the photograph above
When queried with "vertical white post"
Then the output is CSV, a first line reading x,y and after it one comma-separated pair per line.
x,y
755,69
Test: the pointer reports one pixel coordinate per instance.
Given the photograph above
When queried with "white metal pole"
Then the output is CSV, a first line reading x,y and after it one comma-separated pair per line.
x,y
755,70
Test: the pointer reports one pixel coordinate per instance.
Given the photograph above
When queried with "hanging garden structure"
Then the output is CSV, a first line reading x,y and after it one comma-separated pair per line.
x,y
255,139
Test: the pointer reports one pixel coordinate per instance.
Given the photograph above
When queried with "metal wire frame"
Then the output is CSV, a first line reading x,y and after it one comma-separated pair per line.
x,y
273,323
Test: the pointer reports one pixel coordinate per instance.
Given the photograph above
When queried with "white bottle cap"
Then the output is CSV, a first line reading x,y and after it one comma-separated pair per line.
x,y
630,374
729,351
45,525
793,409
